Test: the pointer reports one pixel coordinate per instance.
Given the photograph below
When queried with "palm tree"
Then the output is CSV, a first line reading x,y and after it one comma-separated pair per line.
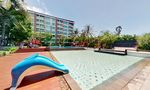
x,y
4,5
5,19
88,30
76,32
12,13
86,33
118,30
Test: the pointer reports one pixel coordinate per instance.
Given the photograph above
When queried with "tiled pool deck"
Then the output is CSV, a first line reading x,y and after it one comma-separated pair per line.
x,y
141,81
135,78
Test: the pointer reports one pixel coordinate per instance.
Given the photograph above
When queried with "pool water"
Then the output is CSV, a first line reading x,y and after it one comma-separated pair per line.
x,y
89,68
53,47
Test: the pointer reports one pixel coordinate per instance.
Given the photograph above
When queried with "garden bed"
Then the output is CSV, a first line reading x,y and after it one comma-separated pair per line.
x,y
40,49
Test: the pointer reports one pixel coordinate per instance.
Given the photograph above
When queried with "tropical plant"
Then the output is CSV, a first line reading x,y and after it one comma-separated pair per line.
x,y
44,37
93,42
14,20
62,40
118,30
73,38
144,41
7,50
107,39
85,34
126,38
87,31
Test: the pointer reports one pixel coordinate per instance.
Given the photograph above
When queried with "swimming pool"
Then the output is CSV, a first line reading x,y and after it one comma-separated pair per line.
x,y
90,69
53,47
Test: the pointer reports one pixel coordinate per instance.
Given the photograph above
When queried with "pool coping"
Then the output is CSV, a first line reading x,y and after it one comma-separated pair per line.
x,y
66,49
68,79
120,80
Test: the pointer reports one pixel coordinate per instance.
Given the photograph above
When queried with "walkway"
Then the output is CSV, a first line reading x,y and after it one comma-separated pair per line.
x,y
141,81
38,80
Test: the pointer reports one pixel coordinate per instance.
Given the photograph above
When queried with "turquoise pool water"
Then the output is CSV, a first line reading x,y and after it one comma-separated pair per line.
x,y
90,69
53,47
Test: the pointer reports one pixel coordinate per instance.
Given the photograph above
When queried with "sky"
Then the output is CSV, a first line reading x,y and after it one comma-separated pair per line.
x,y
132,15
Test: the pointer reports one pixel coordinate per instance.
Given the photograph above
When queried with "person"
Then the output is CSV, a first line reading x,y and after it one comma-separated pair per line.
x,y
126,52
99,48
73,44
21,45
30,45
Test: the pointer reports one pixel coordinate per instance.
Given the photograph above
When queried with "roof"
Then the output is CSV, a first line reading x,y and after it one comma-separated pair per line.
x,y
49,15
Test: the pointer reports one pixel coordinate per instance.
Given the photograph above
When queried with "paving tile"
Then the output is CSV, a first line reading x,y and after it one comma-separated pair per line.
x,y
141,81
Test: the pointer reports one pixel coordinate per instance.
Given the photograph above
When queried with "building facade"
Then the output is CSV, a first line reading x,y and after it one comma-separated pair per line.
x,y
56,26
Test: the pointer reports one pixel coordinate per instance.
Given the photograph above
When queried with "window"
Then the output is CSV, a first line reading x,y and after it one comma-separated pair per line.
x,y
65,26
53,23
37,20
65,22
37,29
48,23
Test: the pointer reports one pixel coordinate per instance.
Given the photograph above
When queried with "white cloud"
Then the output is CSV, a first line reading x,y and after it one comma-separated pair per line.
x,y
40,7
36,9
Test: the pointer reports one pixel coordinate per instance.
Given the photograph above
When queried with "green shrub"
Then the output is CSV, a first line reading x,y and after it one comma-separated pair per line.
x,y
11,49
6,53
43,37
92,44
126,38
8,50
3,53
107,39
144,41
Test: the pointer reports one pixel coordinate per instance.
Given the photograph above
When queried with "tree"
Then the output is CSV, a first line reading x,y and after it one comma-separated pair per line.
x,y
20,33
93,42
14,17
44,37
107,39
126,38
74,36
62,40
4,21
118,30
144,41
76,32
87,31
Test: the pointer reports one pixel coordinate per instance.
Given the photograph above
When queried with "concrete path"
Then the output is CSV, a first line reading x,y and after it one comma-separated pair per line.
x,y
141,81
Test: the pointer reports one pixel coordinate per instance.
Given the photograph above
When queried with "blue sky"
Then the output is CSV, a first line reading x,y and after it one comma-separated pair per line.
x,y
132,15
